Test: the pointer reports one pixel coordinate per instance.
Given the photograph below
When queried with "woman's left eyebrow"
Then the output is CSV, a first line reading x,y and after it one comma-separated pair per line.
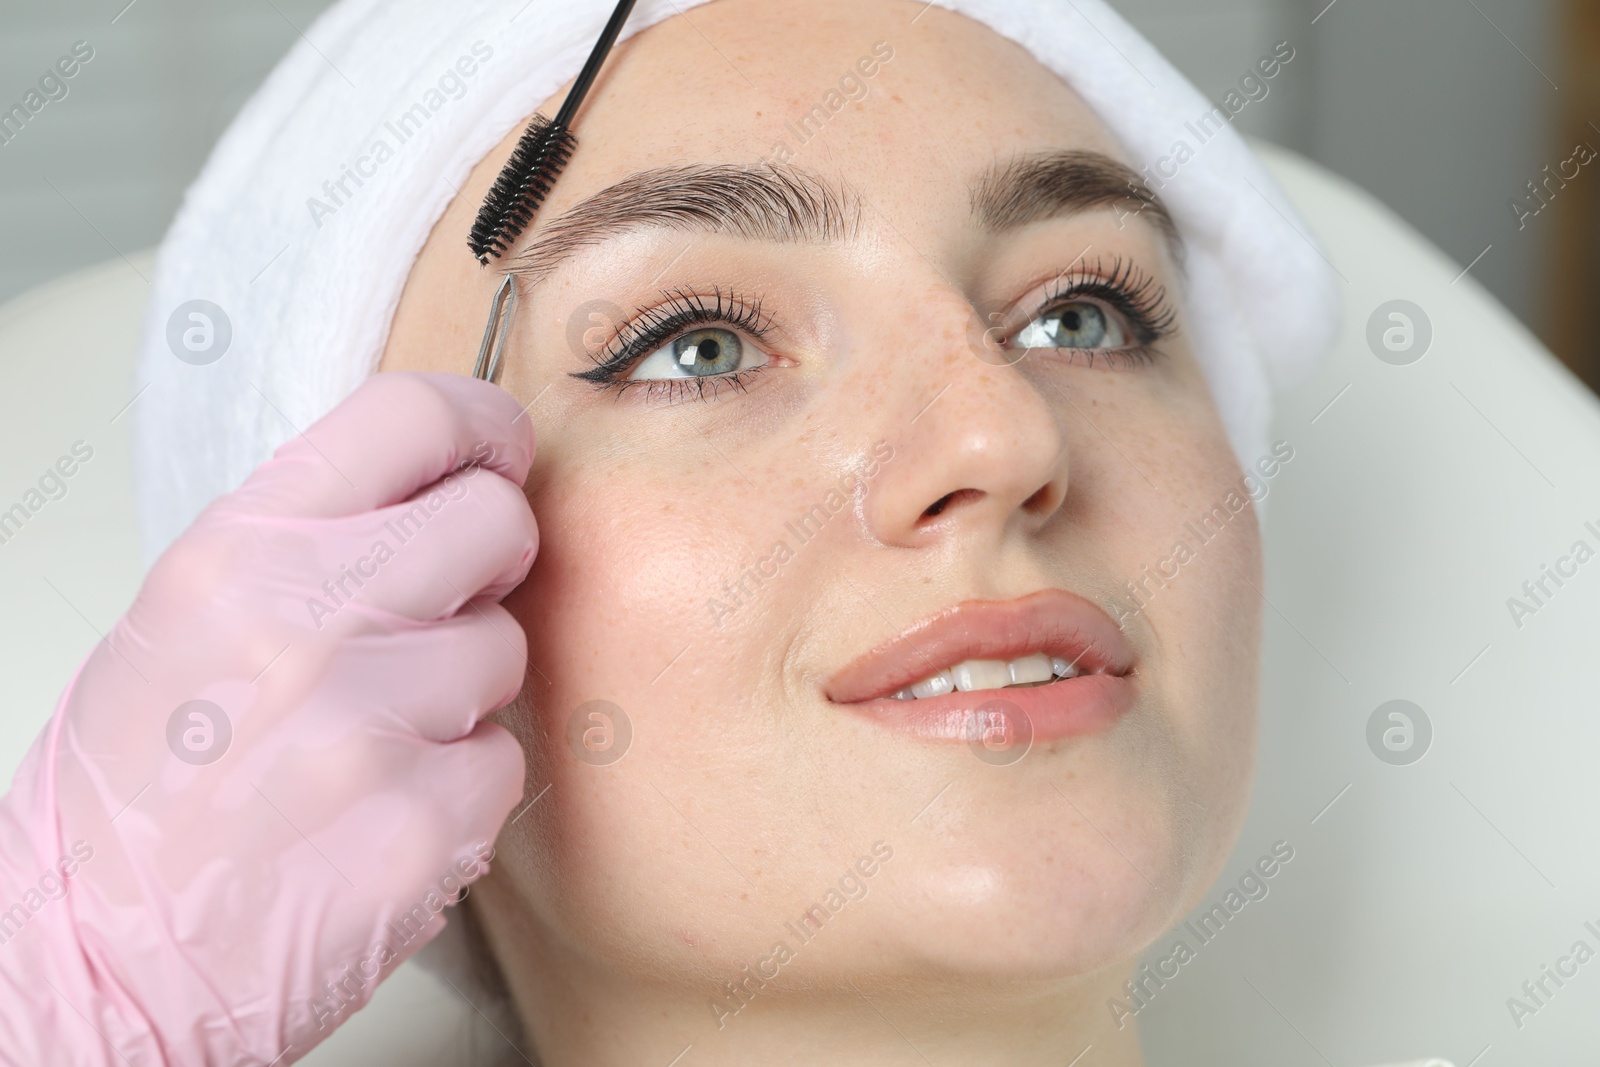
x,y
780,203
1042,185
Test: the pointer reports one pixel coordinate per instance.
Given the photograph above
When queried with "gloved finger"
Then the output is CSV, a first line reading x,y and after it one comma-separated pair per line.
x,y
459,798
478,781
397,433
472,535
454,672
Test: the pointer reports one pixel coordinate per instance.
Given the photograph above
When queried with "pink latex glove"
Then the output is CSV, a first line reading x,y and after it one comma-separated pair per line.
x,y
177,896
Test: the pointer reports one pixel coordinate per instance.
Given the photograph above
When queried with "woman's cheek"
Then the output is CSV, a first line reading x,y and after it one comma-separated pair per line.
x,y
1214,631
636,598
616,611
1188,570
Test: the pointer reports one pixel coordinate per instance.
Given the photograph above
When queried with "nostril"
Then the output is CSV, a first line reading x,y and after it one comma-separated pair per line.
x,y
945,501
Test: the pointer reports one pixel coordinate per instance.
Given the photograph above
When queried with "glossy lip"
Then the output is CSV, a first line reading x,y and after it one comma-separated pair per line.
x,y
1052,621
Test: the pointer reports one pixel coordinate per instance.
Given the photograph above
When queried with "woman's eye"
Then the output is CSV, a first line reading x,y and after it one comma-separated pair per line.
x,y
698,354
1075,324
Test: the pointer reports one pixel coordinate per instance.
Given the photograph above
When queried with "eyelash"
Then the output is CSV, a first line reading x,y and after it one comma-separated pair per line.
x,y
1135,295
652,327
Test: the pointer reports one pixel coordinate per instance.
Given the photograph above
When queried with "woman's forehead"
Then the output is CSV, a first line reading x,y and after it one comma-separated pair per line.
x,y
886,92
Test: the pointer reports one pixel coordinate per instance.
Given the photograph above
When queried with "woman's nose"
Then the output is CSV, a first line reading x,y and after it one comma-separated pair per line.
x,y
979,452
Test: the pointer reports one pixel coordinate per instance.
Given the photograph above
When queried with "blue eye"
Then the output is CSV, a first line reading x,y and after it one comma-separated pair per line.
x,y
690,345
1074,324
700,353
1114,314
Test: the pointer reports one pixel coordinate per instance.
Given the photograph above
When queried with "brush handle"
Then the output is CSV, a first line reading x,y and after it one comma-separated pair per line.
x,y
586,76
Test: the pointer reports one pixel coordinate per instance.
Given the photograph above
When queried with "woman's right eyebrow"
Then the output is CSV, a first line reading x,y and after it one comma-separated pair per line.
x,y
771,203
782,203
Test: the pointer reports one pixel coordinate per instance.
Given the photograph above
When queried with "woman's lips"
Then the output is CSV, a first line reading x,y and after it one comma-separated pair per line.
x,y
1054,622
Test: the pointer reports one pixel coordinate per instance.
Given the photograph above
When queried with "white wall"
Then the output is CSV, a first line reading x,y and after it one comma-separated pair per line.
x,y
135,125
1439,107
1217,42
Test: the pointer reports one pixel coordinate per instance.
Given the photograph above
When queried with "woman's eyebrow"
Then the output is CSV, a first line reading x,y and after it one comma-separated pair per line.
x,y
776,202
771,202
1043,185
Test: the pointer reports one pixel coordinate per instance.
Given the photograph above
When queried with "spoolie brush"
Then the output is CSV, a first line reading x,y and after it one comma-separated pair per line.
x,y
521,187
540,156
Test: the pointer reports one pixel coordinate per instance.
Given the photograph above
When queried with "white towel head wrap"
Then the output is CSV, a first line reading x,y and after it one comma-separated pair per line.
x,y
308,279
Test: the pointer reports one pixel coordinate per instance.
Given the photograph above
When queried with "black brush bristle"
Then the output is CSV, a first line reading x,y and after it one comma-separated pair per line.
x,y
523,184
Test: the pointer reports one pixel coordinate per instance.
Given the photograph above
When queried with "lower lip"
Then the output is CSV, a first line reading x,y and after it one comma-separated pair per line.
x,y
1069,707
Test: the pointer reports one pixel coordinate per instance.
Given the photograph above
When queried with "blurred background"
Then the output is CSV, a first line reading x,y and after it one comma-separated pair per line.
x,y
1446,110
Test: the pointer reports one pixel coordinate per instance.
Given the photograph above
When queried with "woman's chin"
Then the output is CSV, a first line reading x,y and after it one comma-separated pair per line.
x,y
1053,917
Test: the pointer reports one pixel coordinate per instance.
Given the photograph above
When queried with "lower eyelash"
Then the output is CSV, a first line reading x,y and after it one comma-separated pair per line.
x,y
677,390
1135,356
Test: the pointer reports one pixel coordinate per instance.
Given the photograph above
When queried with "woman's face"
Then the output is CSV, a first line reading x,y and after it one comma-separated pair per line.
x,y
930,360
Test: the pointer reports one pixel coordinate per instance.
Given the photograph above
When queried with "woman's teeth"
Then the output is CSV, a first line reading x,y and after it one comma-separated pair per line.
x,y
973,674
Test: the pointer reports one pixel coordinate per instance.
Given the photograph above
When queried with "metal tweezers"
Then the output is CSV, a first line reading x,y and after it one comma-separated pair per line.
x,y
500,313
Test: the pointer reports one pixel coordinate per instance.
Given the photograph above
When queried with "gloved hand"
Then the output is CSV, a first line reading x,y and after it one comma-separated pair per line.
x,y
259,791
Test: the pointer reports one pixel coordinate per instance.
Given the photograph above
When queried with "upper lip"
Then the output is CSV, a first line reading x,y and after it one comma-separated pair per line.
x,y
1052,621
